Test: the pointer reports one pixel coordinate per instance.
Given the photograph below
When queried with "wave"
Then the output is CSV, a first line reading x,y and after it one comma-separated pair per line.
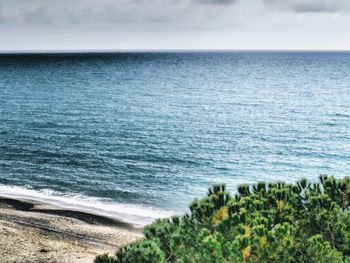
x,y
129,213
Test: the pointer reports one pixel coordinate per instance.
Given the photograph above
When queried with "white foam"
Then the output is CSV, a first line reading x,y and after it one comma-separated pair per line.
x,y
130,213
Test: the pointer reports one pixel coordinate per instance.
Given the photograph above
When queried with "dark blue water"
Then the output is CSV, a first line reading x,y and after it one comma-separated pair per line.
x,y
154,130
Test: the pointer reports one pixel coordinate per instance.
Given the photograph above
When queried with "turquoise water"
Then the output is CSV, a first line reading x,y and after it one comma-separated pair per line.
x,y
142,134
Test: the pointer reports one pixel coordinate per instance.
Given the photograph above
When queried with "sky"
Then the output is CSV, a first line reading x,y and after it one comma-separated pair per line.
x,y
174,24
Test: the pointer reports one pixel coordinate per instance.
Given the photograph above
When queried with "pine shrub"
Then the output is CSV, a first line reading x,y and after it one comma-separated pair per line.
x,y
265,222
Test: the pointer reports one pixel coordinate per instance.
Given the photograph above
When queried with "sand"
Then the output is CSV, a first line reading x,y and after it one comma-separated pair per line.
x,y
35,232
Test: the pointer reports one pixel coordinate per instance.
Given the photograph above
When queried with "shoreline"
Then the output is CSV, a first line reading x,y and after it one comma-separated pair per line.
x,y
33,231
136,215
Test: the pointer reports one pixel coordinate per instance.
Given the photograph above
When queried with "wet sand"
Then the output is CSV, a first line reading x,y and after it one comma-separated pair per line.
x,y
36,232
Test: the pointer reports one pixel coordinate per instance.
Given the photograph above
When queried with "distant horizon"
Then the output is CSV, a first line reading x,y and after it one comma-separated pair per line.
x,y
46,51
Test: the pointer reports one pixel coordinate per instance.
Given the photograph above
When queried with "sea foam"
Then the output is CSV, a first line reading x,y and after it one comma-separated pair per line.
x,y
129,213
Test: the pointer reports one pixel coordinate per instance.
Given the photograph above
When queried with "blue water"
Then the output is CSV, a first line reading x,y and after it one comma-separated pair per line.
x,y
154,130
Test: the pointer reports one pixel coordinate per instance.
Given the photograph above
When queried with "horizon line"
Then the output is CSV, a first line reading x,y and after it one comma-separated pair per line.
x,y
58,51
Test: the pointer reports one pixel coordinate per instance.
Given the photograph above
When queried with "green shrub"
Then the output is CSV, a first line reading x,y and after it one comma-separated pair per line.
x,y
320,251
265,222
141,251
105,258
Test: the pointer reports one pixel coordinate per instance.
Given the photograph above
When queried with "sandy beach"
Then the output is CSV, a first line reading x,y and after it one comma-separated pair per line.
x,y
35,232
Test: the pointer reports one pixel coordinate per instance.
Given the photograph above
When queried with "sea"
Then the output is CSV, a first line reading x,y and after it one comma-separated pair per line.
x,y
140,135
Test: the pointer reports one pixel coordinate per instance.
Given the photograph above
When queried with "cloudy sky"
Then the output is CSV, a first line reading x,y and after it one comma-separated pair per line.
x,y
174,24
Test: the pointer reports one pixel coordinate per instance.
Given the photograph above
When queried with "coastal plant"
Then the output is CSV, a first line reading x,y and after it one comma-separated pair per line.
x,y
141,251
263,222
105,258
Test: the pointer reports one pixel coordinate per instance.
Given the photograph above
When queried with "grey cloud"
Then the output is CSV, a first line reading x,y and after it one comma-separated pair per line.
x,y
307,6
88,11
111,13
214,2
174,24
185,14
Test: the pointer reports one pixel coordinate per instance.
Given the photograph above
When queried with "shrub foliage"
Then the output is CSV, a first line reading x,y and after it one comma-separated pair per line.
x,y
275,222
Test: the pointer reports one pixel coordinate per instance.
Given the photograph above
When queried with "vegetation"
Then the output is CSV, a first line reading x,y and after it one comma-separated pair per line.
x,y
275,222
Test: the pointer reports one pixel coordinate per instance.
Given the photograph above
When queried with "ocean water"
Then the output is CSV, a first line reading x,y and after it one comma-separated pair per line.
x,y
139,135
